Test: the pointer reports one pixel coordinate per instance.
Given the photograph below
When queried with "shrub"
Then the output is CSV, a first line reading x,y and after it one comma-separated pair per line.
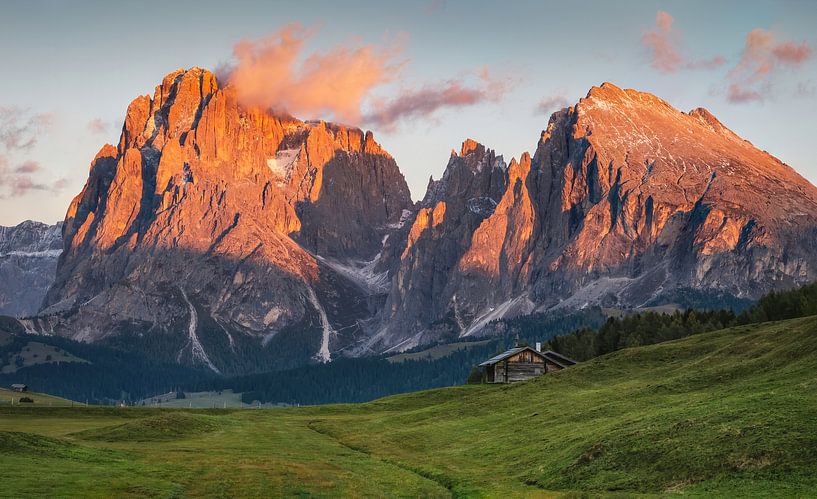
x,y
475,376
26,400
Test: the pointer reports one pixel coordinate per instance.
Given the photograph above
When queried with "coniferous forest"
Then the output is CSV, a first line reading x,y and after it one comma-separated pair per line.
x,y
113,375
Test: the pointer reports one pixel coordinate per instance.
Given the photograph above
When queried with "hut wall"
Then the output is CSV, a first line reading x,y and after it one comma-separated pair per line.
x,y
520,371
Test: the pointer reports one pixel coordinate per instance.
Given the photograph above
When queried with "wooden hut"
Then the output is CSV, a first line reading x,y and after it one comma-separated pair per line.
x,y
522,363
19,387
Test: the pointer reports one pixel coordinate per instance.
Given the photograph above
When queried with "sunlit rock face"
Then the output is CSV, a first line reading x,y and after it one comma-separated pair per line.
x,y
238,240
625,202
28,262
217,230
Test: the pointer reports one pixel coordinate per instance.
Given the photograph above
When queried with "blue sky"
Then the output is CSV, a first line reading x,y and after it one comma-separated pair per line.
x,y
70,64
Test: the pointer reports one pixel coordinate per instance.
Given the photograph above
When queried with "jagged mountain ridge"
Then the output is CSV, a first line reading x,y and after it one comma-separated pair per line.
x,y
202,229
625,201
239,240
28,261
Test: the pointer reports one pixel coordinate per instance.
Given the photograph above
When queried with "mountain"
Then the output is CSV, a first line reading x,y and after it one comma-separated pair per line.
x,y
197,237
28,262
238,240
627,202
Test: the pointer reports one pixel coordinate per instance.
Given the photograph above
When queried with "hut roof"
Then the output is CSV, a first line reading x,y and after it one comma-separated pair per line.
x,y
557,358
509,353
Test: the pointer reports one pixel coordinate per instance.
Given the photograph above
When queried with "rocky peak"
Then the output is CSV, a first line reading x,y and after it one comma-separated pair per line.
x,y
627,202
710,120
469,146
231,229
28,259
212,213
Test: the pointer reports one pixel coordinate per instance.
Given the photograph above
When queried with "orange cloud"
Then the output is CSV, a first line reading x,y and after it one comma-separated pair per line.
x,y
761,58
275,73
663,44
792,53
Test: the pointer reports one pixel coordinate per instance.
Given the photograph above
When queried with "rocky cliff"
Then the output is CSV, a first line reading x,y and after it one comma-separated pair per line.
x,y
28,261
239,240
627,202
213,233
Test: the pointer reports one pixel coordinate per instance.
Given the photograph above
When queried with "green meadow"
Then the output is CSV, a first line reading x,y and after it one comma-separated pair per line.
x,y
731,413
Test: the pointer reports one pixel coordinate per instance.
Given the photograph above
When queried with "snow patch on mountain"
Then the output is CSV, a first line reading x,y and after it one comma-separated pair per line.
x,y
281,164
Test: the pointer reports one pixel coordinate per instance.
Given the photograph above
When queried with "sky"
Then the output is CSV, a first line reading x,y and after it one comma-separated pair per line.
x,y
423,76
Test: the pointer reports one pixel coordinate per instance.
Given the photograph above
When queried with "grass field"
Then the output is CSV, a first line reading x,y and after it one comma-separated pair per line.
x,y
225,399
731,413
9,397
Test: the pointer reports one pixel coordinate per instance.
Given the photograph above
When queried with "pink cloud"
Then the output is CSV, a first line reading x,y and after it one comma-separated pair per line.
x,y
20,180
737,93
28,167
99,126
426,101
663,44
762,58
711,63
22,185
792,53
276,73
19,129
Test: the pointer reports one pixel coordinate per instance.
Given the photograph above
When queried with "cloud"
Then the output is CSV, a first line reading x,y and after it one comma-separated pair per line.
x,y
432,7
20,180
20,129
426,101
762,58
99,126
275,72
550,104
663,44
711,63
28,167
792,53
737,93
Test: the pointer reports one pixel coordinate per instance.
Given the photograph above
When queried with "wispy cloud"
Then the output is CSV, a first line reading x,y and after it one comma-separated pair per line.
x,y
432,7
27,167
277,72
425,102
548,105
664,47
762,58
20,129
20,180
99,126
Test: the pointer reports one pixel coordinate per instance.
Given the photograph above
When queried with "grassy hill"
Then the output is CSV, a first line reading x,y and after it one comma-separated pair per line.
x,y
729,413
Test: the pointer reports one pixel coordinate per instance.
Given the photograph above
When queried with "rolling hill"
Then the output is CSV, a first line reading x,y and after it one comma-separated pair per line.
x,y
726,413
